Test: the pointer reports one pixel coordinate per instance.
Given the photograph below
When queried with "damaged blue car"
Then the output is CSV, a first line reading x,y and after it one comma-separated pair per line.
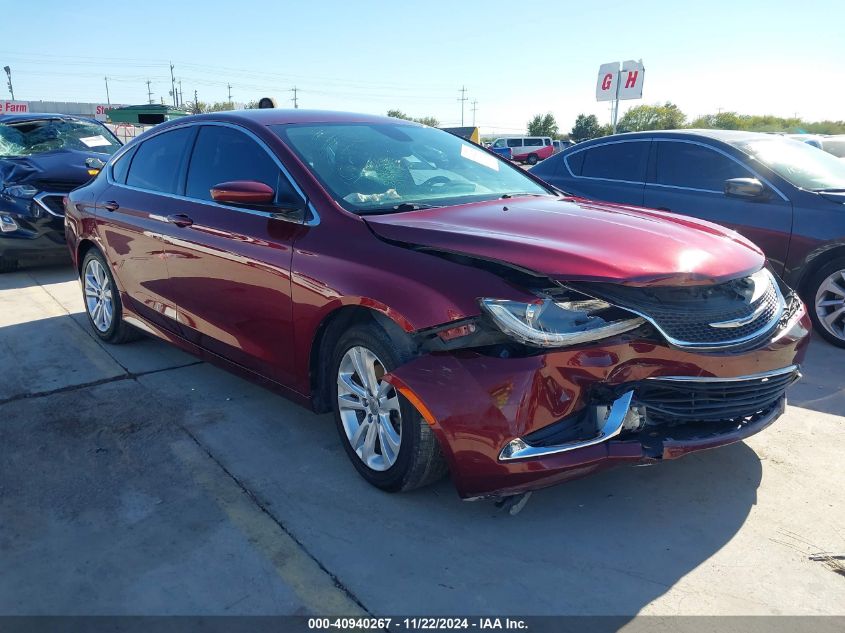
x,y
42,158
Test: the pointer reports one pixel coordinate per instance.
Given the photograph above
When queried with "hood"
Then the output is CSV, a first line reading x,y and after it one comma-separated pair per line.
x,y
60,170
571,239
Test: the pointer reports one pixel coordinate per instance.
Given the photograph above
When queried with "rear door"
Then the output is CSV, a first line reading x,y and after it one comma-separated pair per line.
x,y
613,171
230,265
689,177
133,211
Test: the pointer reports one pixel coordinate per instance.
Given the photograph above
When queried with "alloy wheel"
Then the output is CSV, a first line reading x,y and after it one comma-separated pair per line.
x,y
98,296
830,304
369,409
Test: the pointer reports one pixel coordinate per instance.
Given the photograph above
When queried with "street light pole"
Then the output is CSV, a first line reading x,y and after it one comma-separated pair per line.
x,y
108,99
9,75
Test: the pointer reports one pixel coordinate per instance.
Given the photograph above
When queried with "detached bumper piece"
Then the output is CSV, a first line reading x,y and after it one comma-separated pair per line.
x,y
668,415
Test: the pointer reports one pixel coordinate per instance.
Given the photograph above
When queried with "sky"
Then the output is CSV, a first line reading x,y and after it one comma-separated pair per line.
x,y
515,59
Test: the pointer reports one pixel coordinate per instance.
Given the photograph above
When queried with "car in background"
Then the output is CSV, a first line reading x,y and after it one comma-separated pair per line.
x,y
782,194
560,145
453,311
504,152
526,149
833,144
42,158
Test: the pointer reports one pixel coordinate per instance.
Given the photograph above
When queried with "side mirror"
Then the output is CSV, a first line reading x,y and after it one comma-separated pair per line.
x,y
243,192
744,188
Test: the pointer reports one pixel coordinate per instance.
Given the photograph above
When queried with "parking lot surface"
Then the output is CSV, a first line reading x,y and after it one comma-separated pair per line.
x,y
137,480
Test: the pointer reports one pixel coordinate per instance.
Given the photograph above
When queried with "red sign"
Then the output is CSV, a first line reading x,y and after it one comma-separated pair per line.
x,y
13,107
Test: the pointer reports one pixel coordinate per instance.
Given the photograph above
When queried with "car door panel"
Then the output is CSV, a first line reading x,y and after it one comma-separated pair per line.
x,y
687,180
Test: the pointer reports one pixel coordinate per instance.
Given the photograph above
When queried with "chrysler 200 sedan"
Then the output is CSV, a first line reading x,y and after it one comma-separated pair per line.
x,y
455,313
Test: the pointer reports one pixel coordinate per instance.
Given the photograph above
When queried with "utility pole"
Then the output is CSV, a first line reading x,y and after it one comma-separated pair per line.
x,y
173,85
196,103
9,75
180,96
474,110
463,99
229,86
295,102
149,92
108,99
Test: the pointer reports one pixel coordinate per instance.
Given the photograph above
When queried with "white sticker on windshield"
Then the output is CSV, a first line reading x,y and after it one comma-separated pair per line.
x,y
482,158
95,141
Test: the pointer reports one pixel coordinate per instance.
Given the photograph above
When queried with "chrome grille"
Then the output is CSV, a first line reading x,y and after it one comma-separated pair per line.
x,y
706,317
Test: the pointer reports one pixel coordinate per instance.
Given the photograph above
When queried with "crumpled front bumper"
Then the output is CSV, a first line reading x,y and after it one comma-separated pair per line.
x,y
478,404
35,231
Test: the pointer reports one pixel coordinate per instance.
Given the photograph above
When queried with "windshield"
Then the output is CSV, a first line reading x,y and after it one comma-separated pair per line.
x,y
26,138
372,168
801,164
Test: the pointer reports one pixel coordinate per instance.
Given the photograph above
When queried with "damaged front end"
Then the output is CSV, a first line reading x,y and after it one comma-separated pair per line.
x,y
591,375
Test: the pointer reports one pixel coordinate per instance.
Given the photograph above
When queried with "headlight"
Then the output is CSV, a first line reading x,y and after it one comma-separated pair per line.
x,y
550,323
20,191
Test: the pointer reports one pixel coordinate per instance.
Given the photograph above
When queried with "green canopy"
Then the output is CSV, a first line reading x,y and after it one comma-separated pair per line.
x,y
150,114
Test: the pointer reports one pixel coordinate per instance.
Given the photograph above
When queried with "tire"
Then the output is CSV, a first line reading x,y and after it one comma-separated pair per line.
x,y
98,286
8,265
419,461
825,297
532,159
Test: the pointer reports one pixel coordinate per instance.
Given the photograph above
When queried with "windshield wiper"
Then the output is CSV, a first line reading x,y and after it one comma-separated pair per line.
x,y
402,206
505,196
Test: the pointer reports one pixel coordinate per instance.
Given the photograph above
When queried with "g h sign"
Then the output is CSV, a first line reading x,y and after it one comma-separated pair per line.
x,y
614,84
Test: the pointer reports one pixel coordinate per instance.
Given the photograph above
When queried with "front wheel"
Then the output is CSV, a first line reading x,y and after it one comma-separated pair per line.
x,y
827,296
385,437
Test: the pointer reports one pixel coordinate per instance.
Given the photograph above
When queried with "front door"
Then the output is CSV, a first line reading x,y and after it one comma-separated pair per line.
x,y
230,266
689,178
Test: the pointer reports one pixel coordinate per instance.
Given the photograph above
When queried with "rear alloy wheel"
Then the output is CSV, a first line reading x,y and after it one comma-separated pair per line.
x,y
532,159
385,437
828,311
102,301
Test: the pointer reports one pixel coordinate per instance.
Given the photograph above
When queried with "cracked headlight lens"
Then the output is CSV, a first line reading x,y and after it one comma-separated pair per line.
x,y
550,323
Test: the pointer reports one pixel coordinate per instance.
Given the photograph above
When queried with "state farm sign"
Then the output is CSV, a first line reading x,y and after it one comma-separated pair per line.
x,y
622,84
12,107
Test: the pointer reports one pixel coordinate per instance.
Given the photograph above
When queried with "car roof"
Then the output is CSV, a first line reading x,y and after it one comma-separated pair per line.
x,y
725,136
41,116
281,116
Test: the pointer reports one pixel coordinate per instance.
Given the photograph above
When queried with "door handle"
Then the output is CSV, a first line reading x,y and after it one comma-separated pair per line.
x,y
111,205
180,220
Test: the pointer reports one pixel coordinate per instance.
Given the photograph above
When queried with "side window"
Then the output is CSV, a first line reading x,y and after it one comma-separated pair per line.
x,y
534,142
121,167
514,142
682,164
157,162
500,142
222,154
547,141
575,162
616,161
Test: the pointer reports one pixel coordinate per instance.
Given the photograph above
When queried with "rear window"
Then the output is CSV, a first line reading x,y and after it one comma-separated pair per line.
x,y
616,161
157,162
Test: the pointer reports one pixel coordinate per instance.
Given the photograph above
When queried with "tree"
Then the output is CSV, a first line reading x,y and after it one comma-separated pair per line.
x,y
426,120
586,127
220,106
543,125
652,117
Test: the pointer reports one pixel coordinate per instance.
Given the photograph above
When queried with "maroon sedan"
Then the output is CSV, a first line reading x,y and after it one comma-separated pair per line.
x,y
453,311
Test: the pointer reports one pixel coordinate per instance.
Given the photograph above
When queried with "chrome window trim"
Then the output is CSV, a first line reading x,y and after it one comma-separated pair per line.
x,y
314,220
765,374
718,150
39,200
617,142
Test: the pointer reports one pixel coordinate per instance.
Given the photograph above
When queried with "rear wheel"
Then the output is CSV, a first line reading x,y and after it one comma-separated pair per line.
x,y
102,301
385,437
827,295
8,265
532,159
